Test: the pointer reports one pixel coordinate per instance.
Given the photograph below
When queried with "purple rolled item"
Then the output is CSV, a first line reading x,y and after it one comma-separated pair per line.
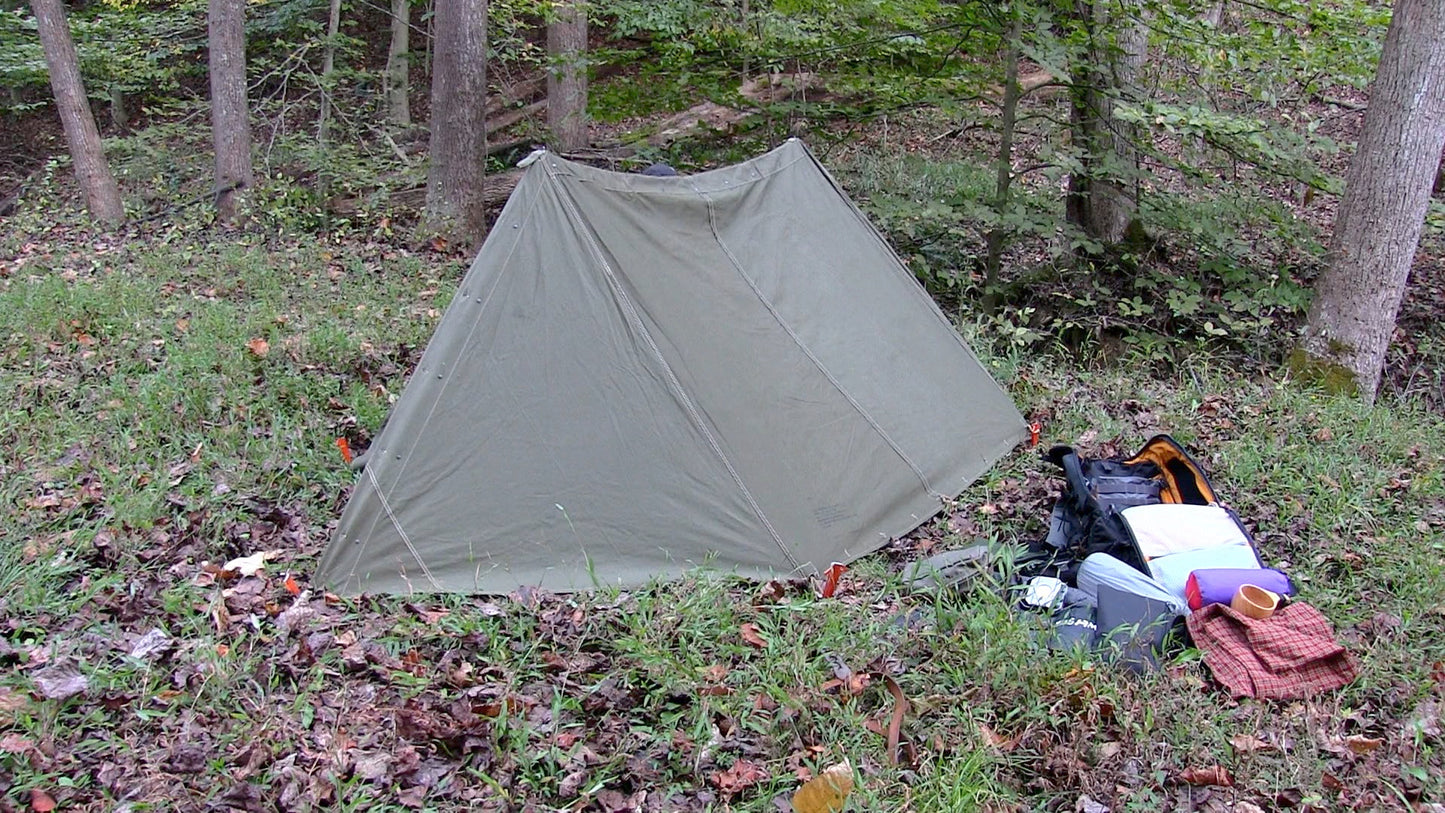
x,y
1218,585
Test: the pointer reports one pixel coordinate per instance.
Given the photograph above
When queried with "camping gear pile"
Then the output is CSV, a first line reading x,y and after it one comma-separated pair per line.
x,y
645,373
1137,545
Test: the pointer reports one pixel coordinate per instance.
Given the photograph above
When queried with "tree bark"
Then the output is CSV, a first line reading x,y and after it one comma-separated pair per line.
x,y
1003,169
328,68
119,115
97,184
398,64
455,206
1387,193
1102,197
230,113
567,76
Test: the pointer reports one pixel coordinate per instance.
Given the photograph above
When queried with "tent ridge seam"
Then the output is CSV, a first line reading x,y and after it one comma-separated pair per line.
x,y
817,363
759,176
405,537
630,311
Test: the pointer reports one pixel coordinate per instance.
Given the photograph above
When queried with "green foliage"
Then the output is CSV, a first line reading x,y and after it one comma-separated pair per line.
x,y
884,54
1272,147
652,90
22,63
134,49
511,32
937,213
1273,52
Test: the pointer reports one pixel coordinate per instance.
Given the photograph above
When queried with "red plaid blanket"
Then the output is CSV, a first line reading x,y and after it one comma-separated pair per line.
x,y
1291,654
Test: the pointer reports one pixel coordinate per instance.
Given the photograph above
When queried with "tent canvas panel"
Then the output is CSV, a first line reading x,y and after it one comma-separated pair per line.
x,y
558,436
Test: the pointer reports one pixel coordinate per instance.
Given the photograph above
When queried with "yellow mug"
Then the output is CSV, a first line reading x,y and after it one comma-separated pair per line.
x,y
1255,601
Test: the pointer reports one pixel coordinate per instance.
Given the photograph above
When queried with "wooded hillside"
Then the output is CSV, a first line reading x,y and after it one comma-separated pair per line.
x,y
228,230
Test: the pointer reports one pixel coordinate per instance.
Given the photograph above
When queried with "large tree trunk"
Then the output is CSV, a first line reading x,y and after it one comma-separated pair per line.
x,y
1102,197
102,196
567,76
398,63
455,206
1387,192
230,114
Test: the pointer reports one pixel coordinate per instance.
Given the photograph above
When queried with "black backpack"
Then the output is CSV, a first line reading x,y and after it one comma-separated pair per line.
x,y
1086,519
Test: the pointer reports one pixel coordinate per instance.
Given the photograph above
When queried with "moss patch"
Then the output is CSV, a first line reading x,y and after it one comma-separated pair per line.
x,y
1322,373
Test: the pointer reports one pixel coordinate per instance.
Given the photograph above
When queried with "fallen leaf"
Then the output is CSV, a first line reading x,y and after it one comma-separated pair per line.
x,y
1248,743
429,615
251,565
740,775
15,744
1213,775
153,644
1289,797
293,618
831,576
60,681
40,801
752,636
773,591
259,347
1424,721
1361,744
996,740
11,701
372,767
827,792
412,797
1332,782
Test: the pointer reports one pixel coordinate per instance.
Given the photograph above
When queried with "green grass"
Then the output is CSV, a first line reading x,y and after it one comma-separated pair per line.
x,y
134,414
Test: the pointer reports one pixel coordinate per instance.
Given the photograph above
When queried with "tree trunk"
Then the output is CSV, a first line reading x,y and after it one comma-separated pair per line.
x,y
1213,14
1387,193
119,115
328,68
1003,176
1102,197
567,76
102,196
431,18
455,206
230,114
398,63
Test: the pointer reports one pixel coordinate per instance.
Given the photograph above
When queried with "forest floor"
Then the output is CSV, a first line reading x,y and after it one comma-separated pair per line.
x,y
175,392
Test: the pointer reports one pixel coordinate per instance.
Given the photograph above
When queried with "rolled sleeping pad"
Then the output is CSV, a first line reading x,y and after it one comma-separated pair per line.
x,y
1218,585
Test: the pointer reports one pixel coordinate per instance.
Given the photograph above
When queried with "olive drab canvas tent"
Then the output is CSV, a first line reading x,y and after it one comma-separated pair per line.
x,y
641,375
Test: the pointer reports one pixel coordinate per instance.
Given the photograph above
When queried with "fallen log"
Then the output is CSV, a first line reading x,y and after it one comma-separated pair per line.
x,y
496,188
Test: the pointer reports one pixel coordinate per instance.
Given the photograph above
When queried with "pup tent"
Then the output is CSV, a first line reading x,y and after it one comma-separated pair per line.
x,y
639,375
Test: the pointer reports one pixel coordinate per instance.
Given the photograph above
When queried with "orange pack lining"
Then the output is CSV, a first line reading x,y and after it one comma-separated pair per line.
x,y
1183,481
